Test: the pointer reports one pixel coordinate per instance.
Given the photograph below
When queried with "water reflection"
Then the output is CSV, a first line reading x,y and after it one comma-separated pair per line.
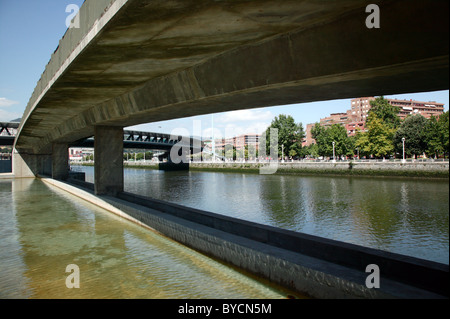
x,y
44,229
406,216
13,281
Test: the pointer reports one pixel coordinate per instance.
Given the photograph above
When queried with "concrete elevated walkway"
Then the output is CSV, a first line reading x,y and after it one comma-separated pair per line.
x,y
141,61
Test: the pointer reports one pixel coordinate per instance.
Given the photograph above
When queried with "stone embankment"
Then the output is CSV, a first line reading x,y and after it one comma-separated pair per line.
x,y
410,169
428,169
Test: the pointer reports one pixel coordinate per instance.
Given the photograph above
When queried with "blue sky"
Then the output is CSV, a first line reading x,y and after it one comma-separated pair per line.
x,y
30,31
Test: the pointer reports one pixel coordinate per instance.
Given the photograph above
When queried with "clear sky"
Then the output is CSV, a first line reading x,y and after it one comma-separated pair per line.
x,y
30,31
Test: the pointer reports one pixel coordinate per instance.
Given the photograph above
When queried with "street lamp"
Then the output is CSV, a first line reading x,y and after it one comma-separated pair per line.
x,y
334,154
403,141
282,153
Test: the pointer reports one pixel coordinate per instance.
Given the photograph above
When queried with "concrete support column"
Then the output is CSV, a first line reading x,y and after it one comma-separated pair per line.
x,y
24,165
108,157
60,161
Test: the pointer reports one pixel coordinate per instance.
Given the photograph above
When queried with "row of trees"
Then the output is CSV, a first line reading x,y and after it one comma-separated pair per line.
x,y
290,136
385,133
383,136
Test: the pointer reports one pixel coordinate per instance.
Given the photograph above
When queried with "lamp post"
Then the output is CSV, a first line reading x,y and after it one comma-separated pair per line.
x,y
334,153
403,141
282,153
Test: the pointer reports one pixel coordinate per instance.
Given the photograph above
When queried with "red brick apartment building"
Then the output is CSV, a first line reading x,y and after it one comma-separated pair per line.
x,y
356,117
361,107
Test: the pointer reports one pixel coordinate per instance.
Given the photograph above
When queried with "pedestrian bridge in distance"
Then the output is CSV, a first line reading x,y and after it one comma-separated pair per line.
x,y
8,133
140,61
132,139
150,141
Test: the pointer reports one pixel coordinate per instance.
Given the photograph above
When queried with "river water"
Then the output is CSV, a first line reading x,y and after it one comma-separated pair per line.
x,y
43,230
402,215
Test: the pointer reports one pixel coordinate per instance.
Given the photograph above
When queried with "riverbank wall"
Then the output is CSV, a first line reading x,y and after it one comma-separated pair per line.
x,y
372,168
413,169
318,267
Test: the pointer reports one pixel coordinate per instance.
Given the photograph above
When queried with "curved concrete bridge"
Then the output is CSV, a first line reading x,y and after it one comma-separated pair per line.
x,y
140,61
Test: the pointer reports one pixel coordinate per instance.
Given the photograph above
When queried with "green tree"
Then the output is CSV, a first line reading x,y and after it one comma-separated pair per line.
x,y
319,133
413,129
443,127
251,151
437,135
378,140
433,138
343,144
385,111
326,136
311,150
230,152
290,135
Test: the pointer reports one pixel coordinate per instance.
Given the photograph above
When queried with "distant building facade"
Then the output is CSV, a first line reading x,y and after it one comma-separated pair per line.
x,y
361,107
355,118
239,142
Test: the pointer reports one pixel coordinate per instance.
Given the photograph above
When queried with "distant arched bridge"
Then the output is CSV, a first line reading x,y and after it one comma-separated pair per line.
x,y
131,140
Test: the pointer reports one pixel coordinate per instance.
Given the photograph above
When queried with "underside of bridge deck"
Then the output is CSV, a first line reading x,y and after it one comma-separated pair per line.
x,y
134,62
144,61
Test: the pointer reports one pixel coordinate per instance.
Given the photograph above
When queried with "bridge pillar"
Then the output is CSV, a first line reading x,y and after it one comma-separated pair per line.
x,y
24,165
60,161
108,158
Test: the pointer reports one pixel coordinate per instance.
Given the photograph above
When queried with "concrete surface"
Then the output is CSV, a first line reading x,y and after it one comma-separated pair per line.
x,y
108,154
60,161
6,175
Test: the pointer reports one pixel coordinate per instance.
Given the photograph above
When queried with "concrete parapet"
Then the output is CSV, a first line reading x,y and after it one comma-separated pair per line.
x,y
6,175
317,266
